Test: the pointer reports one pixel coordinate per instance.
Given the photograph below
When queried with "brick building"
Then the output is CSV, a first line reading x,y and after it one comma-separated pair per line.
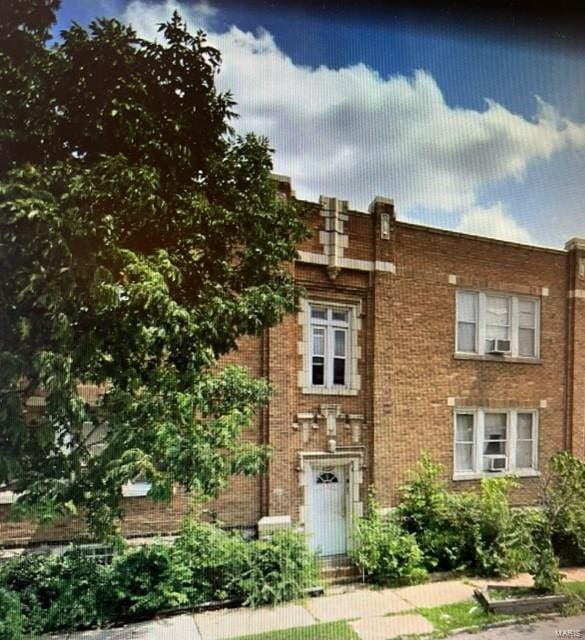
x,y
408,339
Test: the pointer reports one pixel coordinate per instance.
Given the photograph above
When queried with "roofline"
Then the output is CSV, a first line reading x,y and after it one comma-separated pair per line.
x,y
449,232
472,236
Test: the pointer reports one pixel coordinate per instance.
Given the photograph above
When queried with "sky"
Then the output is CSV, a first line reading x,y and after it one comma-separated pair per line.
x,y
465,129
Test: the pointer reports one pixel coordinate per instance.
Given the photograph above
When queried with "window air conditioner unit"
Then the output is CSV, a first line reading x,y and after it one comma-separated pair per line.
x,y
498,346
497,463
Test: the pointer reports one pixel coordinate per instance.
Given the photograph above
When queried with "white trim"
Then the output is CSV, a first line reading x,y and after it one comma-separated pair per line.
x,y
513,325
137,489
8,497
577,293
511,441
305,347
312,460
575,243
347,263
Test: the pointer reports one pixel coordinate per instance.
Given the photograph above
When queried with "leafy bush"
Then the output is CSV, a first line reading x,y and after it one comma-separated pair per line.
x,y
274,570
563,500
502,535
385,553
145,580
56,592
466,530
561,529
209,555
545,564
11,618
439,521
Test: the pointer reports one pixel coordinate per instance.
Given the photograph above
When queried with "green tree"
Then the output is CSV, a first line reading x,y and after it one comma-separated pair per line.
x,y
139,238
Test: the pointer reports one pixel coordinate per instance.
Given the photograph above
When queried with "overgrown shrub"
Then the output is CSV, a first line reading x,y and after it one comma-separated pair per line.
x,y
274,570
560,533
471,530
502,535
563,501
11,618
439,521
56,592
386,554
210,555
145,580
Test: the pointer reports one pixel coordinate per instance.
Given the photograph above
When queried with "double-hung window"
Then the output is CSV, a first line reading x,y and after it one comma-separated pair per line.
x,y
489,441
497,324
330,338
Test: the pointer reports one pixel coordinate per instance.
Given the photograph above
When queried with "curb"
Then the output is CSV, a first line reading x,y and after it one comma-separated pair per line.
x,y
505,623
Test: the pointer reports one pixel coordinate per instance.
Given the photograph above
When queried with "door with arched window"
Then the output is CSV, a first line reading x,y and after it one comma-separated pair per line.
x,y
328,516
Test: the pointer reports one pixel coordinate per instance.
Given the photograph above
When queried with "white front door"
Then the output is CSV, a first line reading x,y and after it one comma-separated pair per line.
x,y
328,517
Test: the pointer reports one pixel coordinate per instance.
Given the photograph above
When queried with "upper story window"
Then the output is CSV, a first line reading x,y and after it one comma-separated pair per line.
x,y
497,324
330,338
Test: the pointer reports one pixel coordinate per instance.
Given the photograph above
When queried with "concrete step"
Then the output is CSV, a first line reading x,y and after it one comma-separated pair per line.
x,y
340,574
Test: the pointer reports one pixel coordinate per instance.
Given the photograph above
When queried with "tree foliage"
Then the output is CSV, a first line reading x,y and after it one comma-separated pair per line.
x,y
139,239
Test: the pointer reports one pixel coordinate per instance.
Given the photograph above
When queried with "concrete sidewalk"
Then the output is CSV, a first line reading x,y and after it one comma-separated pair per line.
x,y
366,610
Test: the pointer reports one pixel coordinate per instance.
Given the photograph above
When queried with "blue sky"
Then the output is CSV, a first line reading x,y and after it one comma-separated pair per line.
x,y
464,129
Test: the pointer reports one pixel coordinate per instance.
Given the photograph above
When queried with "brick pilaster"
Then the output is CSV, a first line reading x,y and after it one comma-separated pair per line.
x,y
575,432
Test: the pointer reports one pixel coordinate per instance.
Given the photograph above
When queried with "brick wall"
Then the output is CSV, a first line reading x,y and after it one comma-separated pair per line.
x,y
411,379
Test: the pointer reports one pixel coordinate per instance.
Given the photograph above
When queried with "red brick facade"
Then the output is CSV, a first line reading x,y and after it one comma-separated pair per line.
x,y
405,380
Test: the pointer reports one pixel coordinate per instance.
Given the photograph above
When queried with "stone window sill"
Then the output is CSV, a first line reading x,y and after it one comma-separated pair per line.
x,y
333,391
515,473
490,358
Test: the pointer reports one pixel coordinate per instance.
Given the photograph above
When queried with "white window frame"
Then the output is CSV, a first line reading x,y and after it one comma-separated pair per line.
x,y
512,437
514,324
330,326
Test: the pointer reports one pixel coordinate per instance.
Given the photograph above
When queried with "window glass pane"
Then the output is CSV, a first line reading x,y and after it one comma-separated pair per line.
x,y
339,342
319,342
527,310
497,309
464,457
467,306
494,447
497,317
339,371
464,427
317,313
524,454
496,332
318,371
496,423
524,426
339,316
526,342
466,337
495,431
94,437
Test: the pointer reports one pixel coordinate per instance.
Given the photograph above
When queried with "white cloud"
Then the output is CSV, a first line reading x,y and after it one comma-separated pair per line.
x,y
145,16
352,133
495,222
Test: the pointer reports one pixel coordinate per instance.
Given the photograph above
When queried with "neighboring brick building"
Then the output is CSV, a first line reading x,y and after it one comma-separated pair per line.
x,y
409,338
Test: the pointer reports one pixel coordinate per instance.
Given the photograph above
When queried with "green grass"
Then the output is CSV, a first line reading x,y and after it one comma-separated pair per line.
x,y
575,592
449,617
327,631
578,588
